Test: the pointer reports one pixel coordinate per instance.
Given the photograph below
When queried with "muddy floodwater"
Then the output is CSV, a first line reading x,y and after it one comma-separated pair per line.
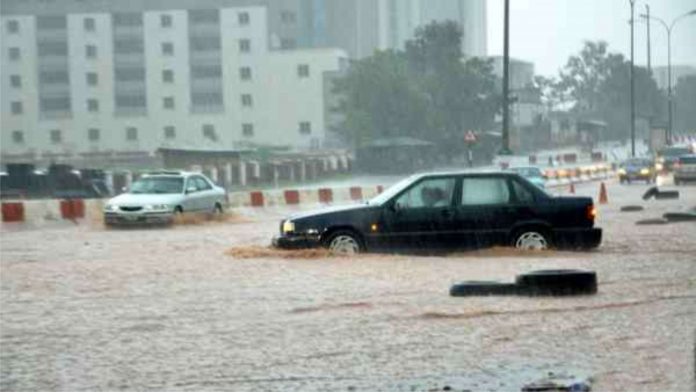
x,y
205,306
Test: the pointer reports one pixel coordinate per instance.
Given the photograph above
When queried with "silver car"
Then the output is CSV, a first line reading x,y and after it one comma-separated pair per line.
x,y
531,173
158,197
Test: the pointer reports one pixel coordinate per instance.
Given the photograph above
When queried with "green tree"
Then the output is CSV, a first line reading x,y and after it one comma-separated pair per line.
x,y
685,104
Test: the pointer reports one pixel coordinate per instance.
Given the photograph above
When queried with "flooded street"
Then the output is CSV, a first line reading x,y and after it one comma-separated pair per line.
x,y
202,307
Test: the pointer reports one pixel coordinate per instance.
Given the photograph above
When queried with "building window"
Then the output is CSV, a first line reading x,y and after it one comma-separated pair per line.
x,y
303,70
168,102
243,18
288,17
209,132
204,99
18,137
13,27
169,132
244,45
165,20
168,76
56,136
92,78
92,105
93,134
305,127
91,51
17,107
167,48
14,54
247,100
131,133
245,73
248,130
89,24
15,81
57,104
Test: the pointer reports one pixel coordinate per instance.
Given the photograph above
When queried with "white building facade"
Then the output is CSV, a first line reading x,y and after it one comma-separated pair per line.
x,y
86,84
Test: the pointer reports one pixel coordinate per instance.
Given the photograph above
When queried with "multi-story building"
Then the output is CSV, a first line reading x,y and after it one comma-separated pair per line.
x,y
98,79
678,71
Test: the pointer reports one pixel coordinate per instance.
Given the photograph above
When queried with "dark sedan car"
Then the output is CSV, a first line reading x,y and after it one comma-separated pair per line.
x,y
449,211
637,169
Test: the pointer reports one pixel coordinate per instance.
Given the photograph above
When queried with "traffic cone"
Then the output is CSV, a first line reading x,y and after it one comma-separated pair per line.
x,y
572,188
603,199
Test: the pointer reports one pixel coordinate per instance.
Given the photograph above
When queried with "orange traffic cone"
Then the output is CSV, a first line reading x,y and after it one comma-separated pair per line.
x,y
603,199
572,188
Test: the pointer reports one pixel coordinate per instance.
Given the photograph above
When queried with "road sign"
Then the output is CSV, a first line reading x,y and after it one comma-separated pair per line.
x,y
470,137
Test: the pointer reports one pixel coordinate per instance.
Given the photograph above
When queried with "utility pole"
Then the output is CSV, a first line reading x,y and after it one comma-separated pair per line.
x,y
647,11
633,96
505,149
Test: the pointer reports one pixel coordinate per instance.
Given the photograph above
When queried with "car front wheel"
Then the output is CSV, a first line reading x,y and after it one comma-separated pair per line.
x,y
344,243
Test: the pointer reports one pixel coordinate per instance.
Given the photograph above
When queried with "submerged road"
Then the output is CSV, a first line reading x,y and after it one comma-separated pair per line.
x,y
204,307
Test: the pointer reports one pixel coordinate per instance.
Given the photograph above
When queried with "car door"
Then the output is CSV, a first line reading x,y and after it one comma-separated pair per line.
x,y
206,196
422,215
190,202
482,211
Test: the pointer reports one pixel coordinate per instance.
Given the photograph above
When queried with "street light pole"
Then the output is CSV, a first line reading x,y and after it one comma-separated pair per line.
x,y
647,11
505,149
668,28
633,95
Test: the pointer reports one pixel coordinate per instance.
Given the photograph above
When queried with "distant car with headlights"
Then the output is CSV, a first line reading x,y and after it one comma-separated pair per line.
x,y
685,169
666,157
449,211
531,173
637,169
157,197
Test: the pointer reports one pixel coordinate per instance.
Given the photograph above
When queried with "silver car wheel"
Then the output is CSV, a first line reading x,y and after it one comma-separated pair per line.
x,y
344,244
531,240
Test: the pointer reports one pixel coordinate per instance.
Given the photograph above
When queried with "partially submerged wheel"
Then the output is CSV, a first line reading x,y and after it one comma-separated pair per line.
x,y
344,243
557,282
476,288
531,239
631,208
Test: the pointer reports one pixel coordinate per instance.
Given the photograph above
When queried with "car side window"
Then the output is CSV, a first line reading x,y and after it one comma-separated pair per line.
x,y
522,194
191,183
202,184
430,193
484,191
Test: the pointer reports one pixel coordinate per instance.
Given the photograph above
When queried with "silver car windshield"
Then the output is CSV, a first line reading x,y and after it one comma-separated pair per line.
x,y
158,185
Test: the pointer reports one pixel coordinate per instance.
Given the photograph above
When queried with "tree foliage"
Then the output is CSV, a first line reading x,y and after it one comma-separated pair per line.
x,y
425,91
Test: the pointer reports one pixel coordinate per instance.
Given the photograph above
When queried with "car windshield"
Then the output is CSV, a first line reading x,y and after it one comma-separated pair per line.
x,y
158,185
392,191
637,162
527,171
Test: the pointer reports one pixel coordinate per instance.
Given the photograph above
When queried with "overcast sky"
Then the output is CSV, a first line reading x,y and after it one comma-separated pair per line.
x,y
546,32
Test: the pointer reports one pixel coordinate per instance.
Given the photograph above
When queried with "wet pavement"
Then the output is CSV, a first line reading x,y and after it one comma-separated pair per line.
x,y
204,307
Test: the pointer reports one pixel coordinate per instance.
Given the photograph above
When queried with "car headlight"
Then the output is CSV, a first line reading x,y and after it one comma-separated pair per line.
x,y
622,171
109,207
645,171
659,166
288,226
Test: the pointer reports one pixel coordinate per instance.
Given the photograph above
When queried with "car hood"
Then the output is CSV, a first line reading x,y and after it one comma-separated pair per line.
x,y
131,199
323,212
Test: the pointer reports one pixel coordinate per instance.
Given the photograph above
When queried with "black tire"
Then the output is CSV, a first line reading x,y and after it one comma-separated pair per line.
x,y
631,208
680,216
655,221
557,283
218,210
344,236
478,288
650,193
666,195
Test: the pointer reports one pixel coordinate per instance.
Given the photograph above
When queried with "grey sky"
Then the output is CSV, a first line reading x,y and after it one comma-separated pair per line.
x,y
546,32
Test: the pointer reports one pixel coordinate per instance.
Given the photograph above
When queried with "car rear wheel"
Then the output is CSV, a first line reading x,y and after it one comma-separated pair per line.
x,y
531,240
344,243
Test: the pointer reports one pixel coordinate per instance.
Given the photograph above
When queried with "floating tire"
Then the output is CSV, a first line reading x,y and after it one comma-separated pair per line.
x,y
480,288
650,193
665,195
680,216
631,208
654,221
557,283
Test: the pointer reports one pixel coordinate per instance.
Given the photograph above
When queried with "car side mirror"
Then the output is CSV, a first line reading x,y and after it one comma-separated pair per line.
x,y
395,207
191,189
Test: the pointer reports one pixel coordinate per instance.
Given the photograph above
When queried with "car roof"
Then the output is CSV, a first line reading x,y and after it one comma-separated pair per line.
x,y
475,173
170,173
